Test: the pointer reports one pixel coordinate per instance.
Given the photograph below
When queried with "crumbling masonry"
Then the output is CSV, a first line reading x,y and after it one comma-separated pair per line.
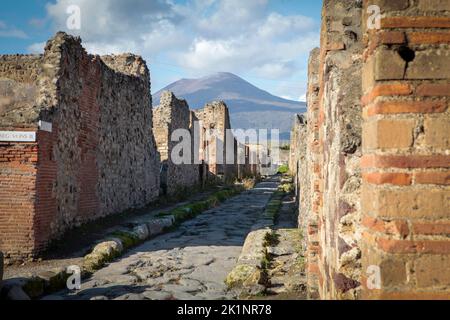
x,y
372,156
79,140
88,149
173,114
215,120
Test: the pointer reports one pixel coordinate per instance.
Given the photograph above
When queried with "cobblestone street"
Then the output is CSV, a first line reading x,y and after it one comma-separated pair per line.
x,y
191,262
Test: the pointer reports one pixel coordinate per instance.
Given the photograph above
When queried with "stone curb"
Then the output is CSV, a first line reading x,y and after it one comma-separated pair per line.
x,y
248,275
107,250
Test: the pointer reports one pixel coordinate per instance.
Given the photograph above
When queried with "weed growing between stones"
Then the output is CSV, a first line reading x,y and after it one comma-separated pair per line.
x,y
283,169
193,209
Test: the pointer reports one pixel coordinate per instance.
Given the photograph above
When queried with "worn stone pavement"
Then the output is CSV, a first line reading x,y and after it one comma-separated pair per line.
x,y
191,262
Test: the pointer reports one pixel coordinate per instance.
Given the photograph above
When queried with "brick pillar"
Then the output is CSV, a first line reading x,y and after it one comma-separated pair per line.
x,y
406,160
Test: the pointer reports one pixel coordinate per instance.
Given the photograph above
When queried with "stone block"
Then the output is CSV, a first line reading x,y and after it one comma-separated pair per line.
x,y
437,132
388,134
390,5
433,271
389,65
434,5
429,64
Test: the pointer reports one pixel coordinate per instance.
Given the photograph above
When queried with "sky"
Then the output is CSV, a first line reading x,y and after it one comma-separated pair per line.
x,y
266,42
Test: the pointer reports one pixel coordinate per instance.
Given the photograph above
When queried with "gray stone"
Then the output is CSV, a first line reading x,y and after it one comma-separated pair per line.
x,y
157,295
99,298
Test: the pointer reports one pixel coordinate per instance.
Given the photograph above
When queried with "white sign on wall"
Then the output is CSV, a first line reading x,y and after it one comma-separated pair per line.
x,y
18,136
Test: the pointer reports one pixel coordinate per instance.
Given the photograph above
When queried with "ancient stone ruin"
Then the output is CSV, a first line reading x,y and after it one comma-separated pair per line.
x,y
371,154
215,121
79,141
173,114
89,149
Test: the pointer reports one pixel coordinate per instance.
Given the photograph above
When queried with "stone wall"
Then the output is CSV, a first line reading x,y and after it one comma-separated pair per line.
x,y
170,115
99,157
328,171
214,117
375,162
298,168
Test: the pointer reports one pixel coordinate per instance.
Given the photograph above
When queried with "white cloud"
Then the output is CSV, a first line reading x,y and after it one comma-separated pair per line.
x,y
37,48
303,98
238,36
11,32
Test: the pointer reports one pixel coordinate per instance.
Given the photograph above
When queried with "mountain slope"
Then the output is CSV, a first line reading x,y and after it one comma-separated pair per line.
x,y
250,107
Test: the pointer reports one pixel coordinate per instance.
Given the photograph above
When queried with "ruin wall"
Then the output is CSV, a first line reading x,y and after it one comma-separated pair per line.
x,y
170,115
96,155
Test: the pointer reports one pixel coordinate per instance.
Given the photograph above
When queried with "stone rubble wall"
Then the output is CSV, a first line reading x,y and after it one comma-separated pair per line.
x,y
299,170
170,115
328,150
19,76
100,157
372,173
326,154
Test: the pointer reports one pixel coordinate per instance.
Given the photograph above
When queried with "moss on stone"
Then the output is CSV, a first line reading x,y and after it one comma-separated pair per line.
x,y
128,239
241,274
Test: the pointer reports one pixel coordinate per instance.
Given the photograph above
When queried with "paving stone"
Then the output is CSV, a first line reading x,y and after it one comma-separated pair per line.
x,y
189,263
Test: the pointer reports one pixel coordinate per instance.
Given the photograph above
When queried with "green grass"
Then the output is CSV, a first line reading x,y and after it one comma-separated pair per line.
x,y
283,169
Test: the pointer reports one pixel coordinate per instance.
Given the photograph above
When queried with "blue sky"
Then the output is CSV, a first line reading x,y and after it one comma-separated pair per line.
x,y
266,42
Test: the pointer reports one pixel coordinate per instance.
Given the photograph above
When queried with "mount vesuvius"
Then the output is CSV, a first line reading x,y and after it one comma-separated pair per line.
x,y
250,107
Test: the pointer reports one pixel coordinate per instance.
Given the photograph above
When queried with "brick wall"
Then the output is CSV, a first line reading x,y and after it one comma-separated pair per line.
x,y
406,192
100,156
18,177
382,204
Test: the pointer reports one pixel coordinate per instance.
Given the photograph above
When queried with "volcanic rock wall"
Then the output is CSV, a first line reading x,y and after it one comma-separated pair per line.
x,y
173,114
327,149
94,156
375,155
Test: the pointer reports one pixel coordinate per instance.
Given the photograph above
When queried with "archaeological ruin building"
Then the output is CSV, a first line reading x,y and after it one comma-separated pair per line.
x,y
79,140
371,155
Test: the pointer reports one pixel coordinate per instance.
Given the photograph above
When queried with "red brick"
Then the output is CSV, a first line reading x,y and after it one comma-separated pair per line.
x,y
405,161
408,246
431,228
396,89
401,179
430,89
394,227
415,22
393,107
